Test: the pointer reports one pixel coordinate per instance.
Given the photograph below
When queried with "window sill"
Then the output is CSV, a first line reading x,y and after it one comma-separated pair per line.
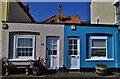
x,y
100,59
18,59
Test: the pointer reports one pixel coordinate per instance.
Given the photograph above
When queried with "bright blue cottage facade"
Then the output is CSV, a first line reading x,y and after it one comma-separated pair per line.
x,y
88,45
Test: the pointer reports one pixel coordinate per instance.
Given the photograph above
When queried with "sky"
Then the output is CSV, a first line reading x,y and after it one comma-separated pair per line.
x,y
43,10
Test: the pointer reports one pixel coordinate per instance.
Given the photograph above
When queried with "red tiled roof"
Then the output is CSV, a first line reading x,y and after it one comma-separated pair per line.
x,y
65,19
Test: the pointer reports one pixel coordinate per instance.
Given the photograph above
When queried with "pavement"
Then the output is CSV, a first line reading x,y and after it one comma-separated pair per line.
x,y
64,75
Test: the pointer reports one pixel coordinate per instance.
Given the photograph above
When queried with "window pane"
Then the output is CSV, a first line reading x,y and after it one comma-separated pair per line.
x,y
70,41
54,52
19,54
55,41
50,52
26,54
75,52
49,42
70,46
30,42
19,42
25,42
30,54
98,43
54,46
50,47
23,54
75,41
75,46
70,52
19,51
99,52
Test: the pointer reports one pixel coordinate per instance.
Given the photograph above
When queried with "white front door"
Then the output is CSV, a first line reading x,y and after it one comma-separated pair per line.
x,y
73,53
52,53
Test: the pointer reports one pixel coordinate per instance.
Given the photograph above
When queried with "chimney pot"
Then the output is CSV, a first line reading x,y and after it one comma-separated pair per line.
x,y
27,7
59,14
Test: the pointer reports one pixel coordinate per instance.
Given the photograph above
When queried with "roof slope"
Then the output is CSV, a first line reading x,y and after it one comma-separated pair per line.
x,y
19,12
65,19
23,7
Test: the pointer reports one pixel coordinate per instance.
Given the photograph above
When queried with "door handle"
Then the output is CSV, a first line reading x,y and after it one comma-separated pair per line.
x,y
53,56
78,57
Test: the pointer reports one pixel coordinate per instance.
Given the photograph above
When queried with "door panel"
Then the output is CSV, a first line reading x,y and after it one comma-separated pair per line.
x,y
52,53
73,53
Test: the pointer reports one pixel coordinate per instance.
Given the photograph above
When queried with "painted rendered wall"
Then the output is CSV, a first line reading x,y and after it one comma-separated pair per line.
x,y
41,31
105,11
3,17
17,14
0,29
4,11
83,33
118,64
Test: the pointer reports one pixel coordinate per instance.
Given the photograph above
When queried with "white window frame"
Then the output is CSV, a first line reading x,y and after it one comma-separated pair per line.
x,y
98,37
15,46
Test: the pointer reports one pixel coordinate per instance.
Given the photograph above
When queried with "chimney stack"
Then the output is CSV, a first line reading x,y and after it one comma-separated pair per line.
x,y
27,7
59,14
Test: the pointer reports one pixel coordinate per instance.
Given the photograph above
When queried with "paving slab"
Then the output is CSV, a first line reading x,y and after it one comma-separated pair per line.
x,y
65,75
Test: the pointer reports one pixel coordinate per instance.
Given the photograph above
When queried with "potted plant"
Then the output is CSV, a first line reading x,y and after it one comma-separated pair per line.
x,y
101,69
38,67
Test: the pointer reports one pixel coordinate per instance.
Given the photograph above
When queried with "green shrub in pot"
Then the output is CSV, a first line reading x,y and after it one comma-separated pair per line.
x,y
101,69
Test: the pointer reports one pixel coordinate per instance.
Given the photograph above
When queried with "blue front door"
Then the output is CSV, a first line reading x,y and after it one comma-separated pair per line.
x,y
52,53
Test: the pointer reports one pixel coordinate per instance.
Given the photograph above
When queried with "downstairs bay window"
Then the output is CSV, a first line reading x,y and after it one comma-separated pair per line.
x,y
24,46
98,47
